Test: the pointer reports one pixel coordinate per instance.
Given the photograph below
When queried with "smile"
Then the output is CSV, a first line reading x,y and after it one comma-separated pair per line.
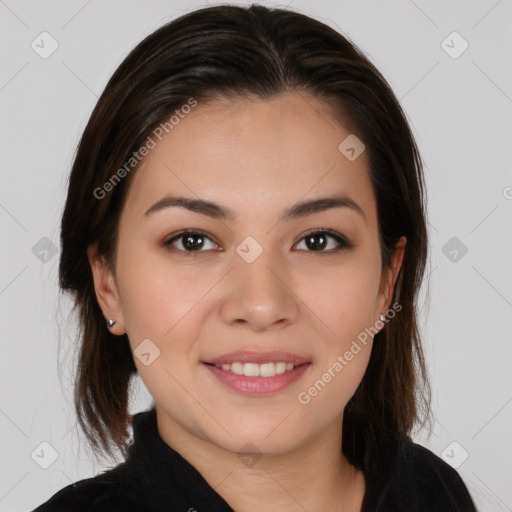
x,y
253,379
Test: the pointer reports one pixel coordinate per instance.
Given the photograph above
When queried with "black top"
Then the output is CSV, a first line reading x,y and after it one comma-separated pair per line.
x,y
156,478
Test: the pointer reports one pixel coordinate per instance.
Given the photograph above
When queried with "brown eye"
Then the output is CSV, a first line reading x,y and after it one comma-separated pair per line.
x,y
320,239
191,241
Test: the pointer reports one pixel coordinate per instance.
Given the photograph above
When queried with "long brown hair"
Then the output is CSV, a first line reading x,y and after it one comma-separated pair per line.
x,y
238,52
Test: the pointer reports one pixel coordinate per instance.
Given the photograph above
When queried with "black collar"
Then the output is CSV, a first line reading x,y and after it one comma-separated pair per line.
x,y
162,477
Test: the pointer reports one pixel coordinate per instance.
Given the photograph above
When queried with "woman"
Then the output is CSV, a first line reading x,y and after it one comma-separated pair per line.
x,y
245,230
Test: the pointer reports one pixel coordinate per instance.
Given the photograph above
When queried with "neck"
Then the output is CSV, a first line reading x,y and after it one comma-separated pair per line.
x,y
287,481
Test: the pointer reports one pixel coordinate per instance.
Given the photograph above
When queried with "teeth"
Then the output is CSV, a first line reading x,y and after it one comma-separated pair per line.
x,y
257,370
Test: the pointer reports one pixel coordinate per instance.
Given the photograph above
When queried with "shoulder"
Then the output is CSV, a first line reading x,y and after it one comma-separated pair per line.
x,y
103,493
422,481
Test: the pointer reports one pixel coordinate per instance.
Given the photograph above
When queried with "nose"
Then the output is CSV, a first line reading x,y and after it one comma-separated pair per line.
x,y
260,295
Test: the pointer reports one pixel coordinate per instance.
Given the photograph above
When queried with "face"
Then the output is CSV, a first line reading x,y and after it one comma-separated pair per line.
x,y
251,277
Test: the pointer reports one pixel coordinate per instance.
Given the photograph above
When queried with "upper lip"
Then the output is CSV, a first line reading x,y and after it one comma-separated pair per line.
x,y
255,356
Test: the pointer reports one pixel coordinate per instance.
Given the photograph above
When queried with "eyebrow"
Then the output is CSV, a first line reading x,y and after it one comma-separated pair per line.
x,y
218,211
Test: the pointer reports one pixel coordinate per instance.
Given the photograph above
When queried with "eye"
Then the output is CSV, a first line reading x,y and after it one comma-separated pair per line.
x,y
318,239
191,241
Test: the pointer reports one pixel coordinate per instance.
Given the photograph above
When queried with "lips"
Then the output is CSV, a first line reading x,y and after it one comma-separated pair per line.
x,y
255,356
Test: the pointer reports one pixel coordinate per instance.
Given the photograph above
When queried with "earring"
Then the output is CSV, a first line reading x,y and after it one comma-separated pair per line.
x,y
382,318
110,323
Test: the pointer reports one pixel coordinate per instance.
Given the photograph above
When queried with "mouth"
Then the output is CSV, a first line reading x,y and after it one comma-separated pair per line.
x,y
255,373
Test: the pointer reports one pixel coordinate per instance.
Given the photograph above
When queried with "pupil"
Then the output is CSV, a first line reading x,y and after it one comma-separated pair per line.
x,y
189,241
313,239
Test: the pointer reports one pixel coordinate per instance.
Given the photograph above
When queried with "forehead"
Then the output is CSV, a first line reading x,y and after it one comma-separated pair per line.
x,y
252,155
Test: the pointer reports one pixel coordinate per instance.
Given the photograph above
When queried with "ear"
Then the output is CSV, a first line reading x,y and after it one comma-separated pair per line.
x,y
389,276
106,290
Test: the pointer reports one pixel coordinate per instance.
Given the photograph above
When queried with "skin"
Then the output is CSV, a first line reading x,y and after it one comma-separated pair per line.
x,y
258,158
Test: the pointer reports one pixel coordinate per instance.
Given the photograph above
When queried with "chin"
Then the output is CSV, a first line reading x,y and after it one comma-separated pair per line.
x,y
262,439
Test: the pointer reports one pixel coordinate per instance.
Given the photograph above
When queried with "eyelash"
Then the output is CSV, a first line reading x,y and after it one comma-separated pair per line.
x,y
340,239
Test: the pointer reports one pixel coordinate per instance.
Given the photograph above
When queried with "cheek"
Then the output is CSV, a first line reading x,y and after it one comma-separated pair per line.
x,y
155,296
343,297
158,304
346,339
344,300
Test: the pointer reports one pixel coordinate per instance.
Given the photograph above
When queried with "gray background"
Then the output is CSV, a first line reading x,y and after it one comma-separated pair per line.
x,y
461,112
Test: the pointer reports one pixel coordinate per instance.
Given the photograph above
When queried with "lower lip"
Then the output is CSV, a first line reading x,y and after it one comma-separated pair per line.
x,y
258,386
